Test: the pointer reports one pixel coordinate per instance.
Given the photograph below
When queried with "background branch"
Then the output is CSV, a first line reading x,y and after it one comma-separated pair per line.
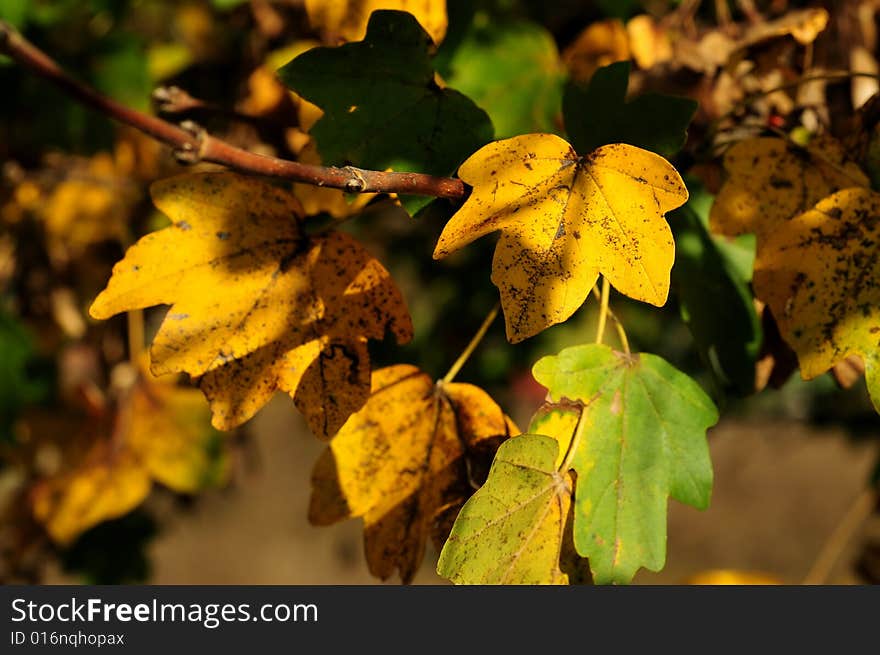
x,y
192,144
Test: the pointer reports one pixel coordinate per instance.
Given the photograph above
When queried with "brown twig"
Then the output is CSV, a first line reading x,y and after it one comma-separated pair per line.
x,y
192,144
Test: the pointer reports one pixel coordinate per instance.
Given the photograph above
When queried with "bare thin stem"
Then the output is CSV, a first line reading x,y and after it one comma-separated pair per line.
x,y
603,310
621,332
472,346
856,515
192,144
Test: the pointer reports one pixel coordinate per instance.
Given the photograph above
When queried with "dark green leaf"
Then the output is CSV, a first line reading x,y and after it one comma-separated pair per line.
x,y
597,114
714,297
382,106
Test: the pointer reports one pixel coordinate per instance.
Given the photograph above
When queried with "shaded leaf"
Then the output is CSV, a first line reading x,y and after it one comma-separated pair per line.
x,y
771,181
642,440
512,71
715,302
256,305
565,219
820,276
347,19
382,106
597,114
405,462
511,530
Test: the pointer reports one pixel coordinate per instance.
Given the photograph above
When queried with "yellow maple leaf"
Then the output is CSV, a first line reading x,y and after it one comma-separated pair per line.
x,y
565,219
820,276
160,433
257,305
406,463
771,181
347,19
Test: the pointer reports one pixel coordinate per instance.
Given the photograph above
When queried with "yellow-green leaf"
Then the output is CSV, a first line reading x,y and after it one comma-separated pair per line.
x,y
511,530
564,219
770,181
821,278
405,462
256,304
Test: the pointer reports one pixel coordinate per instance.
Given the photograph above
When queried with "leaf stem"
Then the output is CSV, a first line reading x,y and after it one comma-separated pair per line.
x,y
472,346
618,325
856,515
192,144
575,441
603,309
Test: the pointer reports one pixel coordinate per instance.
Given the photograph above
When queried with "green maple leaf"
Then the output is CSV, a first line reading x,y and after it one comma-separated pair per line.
x,y
642,440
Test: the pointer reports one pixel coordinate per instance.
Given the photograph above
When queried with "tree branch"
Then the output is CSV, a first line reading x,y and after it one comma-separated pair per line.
x,y
192,145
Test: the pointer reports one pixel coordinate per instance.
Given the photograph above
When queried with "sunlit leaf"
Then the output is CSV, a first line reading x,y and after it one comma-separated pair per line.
x,y
257,305
820,276
564,219
511,530
771,181
406,462
640,439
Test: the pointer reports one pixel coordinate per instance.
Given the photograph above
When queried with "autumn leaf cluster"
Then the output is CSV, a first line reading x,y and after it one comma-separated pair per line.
x,y
570,162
